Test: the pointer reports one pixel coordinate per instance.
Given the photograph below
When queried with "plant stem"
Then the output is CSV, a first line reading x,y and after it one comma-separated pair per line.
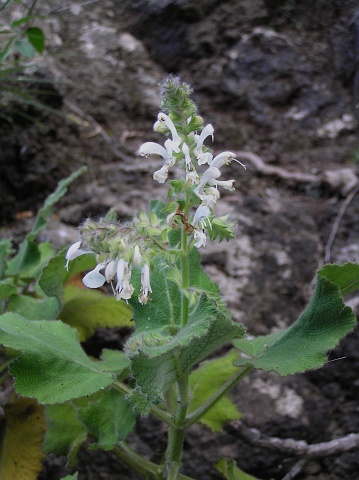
x,y
208,404
176,433
137,462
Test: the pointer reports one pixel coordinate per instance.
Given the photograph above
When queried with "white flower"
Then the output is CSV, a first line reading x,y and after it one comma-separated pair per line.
x,y
204,157
202,213
137,257
161,175
163,118
110,271
149,148
209,196
225,158
73,252
124,289
200,238
145,284
208,176
192,177
227,184
95,279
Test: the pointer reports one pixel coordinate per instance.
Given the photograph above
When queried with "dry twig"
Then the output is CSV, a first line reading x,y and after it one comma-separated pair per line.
x,y
292,447
337,221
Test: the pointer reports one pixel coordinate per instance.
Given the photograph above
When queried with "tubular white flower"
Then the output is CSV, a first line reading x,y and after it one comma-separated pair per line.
x,y
124,289
202,213
209,175
176,141
161,175
206,132
209,197
192,178
227,184
225,158
150,148
95,279
200,238
137,257
204,157
145,284
187,157
74,251
110,271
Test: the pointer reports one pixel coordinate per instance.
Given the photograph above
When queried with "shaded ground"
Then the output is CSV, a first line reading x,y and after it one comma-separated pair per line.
x,y
275,78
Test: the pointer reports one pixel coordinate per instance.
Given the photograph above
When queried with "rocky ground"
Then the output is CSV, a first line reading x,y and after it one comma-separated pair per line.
x,y
279,80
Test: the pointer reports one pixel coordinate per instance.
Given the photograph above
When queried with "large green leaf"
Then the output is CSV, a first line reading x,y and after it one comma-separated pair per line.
x,y
156,355
205,381
107,416
87,310
303,346
52,366
29,254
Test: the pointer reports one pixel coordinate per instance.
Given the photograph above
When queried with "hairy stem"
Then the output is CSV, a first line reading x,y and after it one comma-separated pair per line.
x,y
208,404
137,462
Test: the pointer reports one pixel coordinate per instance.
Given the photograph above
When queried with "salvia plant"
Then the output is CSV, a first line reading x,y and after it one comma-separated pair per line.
x,y
152,267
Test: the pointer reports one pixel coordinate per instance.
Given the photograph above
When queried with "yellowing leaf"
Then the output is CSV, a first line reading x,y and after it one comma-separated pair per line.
x,y
205,381
22,437
87,310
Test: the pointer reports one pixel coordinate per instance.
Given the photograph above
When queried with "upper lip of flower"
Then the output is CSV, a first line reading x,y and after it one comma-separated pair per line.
x,y
75,251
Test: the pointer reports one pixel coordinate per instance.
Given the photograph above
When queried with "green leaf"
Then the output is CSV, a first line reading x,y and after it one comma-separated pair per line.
x,y
220,228
228,468
29,253
7,288
205,381
75,476
87,310
107,416
54,275
303,346
346,276
114,361
36,37
24,47
53,367
65,433
5,249
34,308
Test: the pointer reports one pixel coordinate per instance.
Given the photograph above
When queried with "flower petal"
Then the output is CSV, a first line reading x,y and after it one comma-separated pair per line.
x,y
95,279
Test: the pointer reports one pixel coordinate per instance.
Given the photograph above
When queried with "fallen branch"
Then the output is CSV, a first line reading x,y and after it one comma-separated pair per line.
x,y
292,447
341,180
261,167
